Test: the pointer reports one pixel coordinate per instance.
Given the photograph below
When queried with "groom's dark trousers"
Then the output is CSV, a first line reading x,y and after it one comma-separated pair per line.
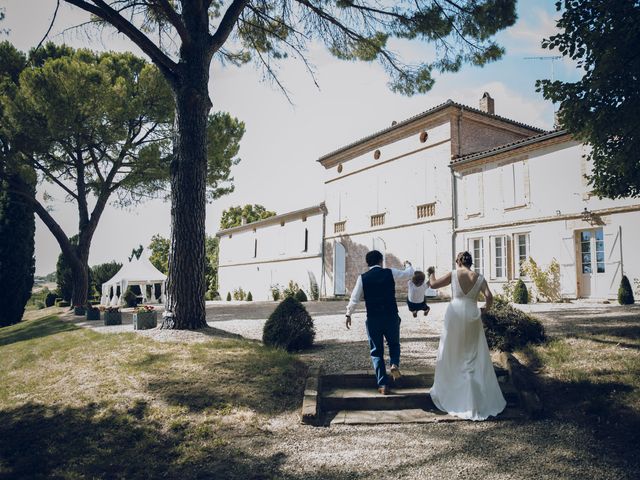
x,y
383,321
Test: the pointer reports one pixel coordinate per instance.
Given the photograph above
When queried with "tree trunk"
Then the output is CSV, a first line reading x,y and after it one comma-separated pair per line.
x,y
185,303
80,269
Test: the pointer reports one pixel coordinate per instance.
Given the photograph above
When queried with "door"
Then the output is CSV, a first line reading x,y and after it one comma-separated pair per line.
x,y
339,269
593,271
568,267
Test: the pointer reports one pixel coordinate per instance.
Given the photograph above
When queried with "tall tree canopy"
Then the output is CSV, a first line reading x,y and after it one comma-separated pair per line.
x,y
98,127
602,108
232,217
183,36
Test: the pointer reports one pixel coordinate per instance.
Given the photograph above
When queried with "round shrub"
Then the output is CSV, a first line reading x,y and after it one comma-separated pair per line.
x,y
508,328
228,296
520,293
625,294
289,327
130,298
300,296
50,299
249,297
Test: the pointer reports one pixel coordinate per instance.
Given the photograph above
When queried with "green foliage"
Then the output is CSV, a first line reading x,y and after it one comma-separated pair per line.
x,y
136,252
130,298
600,109
211,266
232,217
520,293
291,289
625,293
228,296
275,292
50,299
314,291
159,257
249,297
289,327
63,303
103,272
546,282
300,296
239,294
509,329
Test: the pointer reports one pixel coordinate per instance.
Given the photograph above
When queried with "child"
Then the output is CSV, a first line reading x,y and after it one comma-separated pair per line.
x,y
416,297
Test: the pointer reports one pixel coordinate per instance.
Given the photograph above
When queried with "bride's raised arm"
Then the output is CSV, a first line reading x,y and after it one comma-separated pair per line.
x,y
436,283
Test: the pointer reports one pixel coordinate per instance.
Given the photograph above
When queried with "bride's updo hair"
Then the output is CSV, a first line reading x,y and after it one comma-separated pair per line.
x,y
464,258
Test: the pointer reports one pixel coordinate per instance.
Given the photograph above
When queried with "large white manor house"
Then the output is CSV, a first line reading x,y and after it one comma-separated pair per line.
x,y
449,179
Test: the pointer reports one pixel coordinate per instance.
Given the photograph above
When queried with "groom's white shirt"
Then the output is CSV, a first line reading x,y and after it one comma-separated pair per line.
x,y
358,292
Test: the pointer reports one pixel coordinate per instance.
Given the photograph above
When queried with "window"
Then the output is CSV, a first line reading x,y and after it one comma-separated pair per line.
x,y
514,184
522,251
477,250
499,266
377,220
586,250
306,240
426,210
338,227
473,193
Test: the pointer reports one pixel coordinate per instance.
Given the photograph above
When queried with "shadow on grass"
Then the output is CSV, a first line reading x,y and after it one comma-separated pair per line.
x,y
265,380
98,442
30,329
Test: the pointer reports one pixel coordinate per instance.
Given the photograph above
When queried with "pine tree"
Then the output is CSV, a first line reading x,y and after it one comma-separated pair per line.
x,y
17,263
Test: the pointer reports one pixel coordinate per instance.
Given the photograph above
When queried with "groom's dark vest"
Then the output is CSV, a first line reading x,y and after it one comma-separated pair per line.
x,y
379,292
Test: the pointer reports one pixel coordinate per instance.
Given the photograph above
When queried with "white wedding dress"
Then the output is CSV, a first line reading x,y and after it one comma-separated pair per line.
x,y
465,383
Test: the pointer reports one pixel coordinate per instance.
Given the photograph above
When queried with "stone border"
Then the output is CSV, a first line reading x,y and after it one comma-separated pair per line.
x,y
524,381
310,414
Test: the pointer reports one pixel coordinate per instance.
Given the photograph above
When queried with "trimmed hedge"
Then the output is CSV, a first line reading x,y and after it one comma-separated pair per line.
x,y
520,293
229,297
249,297
625,293
508,328
289,327
50,299
300,296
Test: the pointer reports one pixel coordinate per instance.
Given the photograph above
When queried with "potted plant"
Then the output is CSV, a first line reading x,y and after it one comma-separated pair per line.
x,y
111,315
144,317
93,313
79,310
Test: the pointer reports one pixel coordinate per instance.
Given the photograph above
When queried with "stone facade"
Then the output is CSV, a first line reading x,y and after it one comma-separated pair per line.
x,y
450,179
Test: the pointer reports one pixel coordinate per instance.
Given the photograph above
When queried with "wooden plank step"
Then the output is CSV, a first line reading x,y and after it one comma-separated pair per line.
x,y
367,379
376,417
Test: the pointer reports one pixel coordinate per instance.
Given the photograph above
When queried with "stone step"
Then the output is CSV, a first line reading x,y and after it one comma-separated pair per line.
x,y
367,379
335,399
416,415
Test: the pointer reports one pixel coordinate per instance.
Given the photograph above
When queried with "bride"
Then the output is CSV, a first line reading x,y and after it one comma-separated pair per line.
x,y
465,383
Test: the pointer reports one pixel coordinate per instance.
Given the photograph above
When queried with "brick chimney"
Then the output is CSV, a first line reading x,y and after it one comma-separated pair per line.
x,y
487,104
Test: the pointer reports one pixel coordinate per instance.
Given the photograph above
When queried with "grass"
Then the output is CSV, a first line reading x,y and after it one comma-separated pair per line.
x,y
78,404
594,380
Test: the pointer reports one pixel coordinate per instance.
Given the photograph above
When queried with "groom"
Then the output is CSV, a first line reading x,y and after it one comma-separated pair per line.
x,y
378,288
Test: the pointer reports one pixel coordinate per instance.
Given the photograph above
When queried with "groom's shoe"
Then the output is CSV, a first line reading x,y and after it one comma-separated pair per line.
x,y
395,372
384,390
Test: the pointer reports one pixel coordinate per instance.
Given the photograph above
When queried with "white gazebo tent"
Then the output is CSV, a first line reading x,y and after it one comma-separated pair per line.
x,y
139,272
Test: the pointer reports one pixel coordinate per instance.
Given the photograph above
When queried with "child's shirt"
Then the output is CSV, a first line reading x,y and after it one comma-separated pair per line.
x,y
417,294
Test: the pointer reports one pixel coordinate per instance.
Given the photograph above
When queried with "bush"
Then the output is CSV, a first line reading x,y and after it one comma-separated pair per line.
x,y
508,328
50,299
300,296
520,293
249,297
228,296
130,298
275,292
315,293
239,294
546,282
289,327
63,303
39,305
291,289
625,294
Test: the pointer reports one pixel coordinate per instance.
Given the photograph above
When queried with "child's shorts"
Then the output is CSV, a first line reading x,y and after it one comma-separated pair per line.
x,y
414,307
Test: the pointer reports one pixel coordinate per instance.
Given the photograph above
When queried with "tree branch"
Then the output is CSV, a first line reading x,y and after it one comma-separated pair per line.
x,y
104,11
226,25
174,19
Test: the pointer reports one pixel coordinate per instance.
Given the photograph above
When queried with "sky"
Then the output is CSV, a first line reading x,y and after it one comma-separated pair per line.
x,y
283,140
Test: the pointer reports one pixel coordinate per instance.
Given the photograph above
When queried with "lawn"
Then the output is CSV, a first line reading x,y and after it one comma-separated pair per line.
x,y
79,404
593,380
